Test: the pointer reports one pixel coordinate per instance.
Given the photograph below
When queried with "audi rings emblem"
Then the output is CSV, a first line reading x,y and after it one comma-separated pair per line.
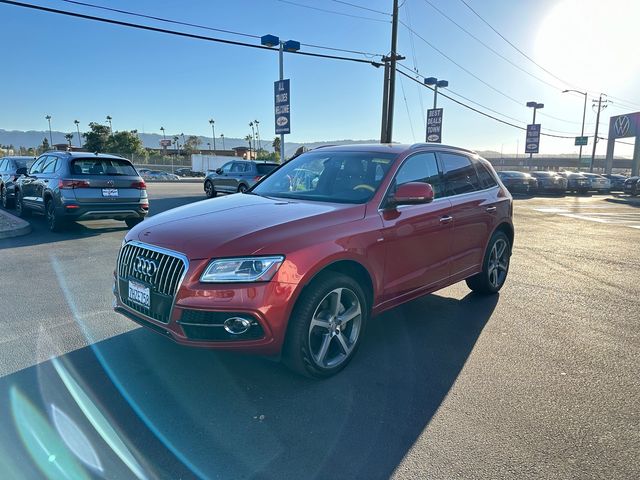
x,y
144,266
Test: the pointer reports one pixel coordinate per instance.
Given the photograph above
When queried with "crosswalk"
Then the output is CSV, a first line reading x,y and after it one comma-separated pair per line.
x,y
590,209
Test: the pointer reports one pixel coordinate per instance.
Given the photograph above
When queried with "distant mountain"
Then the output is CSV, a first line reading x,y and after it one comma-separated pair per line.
x,y
33,138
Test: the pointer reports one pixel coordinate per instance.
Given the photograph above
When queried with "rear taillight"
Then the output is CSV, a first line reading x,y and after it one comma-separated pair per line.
x,y
139,185
70,184
257,178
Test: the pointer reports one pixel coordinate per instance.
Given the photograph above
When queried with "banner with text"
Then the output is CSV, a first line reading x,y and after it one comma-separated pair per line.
x,y
533,138
282,106
434,125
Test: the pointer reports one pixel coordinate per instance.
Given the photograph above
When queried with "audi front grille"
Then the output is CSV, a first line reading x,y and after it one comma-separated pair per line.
x,y
159,269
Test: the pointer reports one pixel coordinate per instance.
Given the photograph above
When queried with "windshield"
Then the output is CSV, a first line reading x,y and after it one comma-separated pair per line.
x,y
102,166
327,176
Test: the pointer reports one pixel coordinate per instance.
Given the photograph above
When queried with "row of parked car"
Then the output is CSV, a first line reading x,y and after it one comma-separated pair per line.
x,y
538,182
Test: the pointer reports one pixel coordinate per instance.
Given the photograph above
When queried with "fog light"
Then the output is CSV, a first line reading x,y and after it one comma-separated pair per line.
x,y
237,325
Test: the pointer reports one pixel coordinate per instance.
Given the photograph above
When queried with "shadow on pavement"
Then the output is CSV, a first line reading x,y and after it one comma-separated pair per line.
x,y
183,412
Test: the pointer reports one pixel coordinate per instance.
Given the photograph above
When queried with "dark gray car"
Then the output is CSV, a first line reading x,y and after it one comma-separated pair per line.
x,y
8,175
236,176
68,186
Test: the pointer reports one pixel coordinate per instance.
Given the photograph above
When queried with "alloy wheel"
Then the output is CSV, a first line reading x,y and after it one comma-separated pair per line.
x,y
335,328
498,263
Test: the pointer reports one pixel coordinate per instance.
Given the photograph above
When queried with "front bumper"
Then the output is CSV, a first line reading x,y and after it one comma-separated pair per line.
x,y
199,311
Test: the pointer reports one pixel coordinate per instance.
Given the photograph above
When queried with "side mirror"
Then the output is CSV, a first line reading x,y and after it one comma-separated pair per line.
x,y
219,171
412,193
21,171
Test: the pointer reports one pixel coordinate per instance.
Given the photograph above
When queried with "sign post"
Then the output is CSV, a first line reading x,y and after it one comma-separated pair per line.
x,y
434,125
581,141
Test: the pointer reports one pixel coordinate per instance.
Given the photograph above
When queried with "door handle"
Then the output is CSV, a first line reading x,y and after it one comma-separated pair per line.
x,y
446,219
491,209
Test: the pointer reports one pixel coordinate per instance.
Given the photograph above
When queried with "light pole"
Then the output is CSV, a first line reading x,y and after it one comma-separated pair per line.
x,y
78,129
256,122
253,138
289,46
584,113
435,83
164,137
222,137
212,122
110,125
48,117
535,106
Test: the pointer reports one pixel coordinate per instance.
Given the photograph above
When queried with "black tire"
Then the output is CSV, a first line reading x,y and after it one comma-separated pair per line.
x,y
54,222
132,222
242,188
6,201
302,339
209,189
493,275
21,210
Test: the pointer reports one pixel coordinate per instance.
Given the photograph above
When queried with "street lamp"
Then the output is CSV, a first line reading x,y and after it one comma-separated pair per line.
x,y
289,46
435,83
78,129
110,125
222,137
48,117
212,122
584,113
253,138
536,106
256,122
164,137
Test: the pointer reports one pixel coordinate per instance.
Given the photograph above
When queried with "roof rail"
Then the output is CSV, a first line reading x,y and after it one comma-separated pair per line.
x,y
452,147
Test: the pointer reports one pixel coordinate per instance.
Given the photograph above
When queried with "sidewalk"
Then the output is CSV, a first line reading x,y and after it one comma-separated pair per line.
x,y
12,226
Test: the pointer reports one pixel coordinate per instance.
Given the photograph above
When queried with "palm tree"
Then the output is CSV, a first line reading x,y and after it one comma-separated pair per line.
x,y
276,144
69,137
248,139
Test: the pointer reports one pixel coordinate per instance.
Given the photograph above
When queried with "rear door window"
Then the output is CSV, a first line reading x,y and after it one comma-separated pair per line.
x,y
486,178
265,169
102,166
49,166
459,174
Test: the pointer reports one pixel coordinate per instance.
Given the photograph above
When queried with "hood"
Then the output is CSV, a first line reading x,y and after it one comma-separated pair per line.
x,y
240,224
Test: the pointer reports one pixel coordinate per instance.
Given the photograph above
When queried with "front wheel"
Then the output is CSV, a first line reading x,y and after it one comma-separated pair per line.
x,y
54,222
326,326
6,201
209,190
494,267
242,188
21,209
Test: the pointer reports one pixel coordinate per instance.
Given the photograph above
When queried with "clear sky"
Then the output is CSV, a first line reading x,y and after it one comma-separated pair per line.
x,y
77,69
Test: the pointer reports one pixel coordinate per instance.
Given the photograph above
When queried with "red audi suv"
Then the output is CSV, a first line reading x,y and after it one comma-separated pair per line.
x,y
296,266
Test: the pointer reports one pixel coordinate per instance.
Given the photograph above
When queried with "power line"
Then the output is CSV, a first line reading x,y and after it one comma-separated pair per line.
x,y
335,12
181,34
415,63
406,104
362,7
205,27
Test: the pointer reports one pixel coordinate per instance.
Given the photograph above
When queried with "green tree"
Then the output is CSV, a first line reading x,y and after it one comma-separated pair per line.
x,y
125,143
276,144
97,138
69,137
45,145
191,145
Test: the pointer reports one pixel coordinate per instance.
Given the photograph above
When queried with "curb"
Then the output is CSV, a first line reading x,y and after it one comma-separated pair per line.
x,y
18,226
633,201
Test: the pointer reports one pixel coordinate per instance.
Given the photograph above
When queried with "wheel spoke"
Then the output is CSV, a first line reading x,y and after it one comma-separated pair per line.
x,y
317,322
502,266
336,297
500,251
343,343
326,341
350,314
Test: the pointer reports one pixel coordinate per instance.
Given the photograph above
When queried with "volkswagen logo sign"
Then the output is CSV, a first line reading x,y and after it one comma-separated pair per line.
x,y
144,266
621,126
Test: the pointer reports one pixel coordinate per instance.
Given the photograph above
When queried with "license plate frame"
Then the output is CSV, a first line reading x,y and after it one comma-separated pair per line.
x,y
139,293
110,192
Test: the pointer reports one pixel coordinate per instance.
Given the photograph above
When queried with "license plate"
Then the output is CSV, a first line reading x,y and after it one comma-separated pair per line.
x,y
109,192
139,294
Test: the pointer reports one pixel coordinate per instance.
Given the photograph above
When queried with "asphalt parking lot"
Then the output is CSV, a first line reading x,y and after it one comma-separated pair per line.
x,y
540,381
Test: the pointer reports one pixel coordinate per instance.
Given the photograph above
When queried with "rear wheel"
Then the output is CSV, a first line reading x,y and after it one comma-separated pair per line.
x,y
21,209
132,222
494,267
6,201
209,190
326,326
242,188
54,222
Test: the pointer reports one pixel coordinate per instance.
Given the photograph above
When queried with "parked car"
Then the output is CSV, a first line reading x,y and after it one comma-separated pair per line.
x,y
550,182
382,225
518,182
66,186
236,176
187,172
576,182
8,175
599,183
159,176
617,181
632,186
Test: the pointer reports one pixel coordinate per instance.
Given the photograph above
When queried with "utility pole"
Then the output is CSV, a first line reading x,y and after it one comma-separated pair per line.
x,y
595,136
390,80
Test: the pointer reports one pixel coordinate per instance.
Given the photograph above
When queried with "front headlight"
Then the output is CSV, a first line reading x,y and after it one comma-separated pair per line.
x,y
245,269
